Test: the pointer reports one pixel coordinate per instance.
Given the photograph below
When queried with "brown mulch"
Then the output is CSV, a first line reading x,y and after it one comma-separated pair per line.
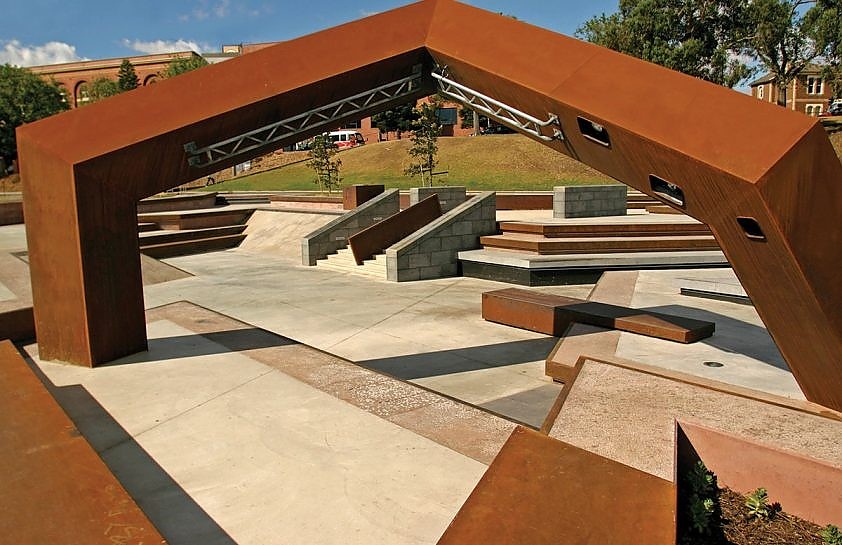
x,y
740,529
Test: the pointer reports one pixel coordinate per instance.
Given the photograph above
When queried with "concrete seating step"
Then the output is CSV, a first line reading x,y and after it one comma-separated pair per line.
x,y
553,314
56,489
202,219
542,491
163,237
146,226
186,247
597,244
637,229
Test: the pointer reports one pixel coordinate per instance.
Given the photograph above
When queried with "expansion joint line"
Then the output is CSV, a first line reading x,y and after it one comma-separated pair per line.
x,y
324,116
496,110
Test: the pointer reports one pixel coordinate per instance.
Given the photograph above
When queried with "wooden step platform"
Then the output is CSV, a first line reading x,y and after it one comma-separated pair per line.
x,y
541,491
566,229
553,314
56,489
164,237
186,247
598,244
197,220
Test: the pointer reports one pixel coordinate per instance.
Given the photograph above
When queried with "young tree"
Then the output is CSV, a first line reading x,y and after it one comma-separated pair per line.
x,y
101,88
424,150
399,119
182,65
324,162
702,38
24,97
127,77
781,40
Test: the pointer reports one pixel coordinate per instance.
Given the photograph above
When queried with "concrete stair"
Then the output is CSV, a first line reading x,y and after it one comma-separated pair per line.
x,y
343,261
175,233
542,245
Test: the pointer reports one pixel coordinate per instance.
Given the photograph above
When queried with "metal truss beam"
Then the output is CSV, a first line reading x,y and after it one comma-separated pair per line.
x,y
324,116
499,111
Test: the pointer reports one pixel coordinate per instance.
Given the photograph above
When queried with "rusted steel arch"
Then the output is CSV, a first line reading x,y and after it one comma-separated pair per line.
x,y
766,180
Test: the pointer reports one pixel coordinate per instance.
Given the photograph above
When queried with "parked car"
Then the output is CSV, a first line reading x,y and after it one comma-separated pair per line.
x,y
498,129
835,108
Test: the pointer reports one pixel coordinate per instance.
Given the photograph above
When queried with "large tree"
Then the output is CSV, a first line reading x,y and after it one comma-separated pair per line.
x,y
127,77
184,64
702,38
99,89
824,23
782,40
24,97
399,119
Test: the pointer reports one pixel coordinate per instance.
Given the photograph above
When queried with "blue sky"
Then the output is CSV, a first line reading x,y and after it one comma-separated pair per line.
x,y
36,32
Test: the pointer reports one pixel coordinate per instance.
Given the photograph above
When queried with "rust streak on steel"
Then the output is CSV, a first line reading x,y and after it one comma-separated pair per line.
x,y
773,208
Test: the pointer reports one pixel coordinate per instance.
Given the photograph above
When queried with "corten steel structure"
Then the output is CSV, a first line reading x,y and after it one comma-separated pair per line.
x,y
765,180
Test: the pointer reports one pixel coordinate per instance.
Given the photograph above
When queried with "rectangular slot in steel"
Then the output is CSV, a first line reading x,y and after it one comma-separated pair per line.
x,y
751,228
594,131
667,191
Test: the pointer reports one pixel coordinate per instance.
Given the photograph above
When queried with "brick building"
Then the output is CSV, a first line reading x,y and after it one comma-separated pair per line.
x,y
808,93
75,76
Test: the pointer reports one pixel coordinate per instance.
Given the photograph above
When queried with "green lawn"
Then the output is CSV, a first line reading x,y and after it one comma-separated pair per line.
x,y
496,162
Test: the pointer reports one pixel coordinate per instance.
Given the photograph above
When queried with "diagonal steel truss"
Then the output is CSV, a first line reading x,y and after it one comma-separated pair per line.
x,y
323,116
500,112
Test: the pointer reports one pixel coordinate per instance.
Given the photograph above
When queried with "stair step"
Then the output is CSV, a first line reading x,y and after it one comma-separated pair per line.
x,y
637,229
198,220
173,249
146,226
164,237
548,246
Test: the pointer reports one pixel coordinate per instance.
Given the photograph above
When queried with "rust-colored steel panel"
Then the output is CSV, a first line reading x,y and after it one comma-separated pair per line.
x,y
375,239
553,314
541,491
773,208
355,195
56,489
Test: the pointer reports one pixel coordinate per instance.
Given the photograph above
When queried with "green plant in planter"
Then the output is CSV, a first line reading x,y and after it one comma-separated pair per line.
x,y
702,500
832,535
758,504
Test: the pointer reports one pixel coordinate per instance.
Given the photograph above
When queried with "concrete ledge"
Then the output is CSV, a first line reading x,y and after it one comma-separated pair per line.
x,y
585,201
334,235
449,196
432,252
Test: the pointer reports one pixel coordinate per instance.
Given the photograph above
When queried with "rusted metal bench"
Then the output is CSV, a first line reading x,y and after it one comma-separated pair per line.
x,y
553,314
542,491
56,489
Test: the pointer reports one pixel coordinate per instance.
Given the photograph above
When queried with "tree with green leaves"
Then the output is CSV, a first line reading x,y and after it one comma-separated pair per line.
x,y
324,162
702,38
24,97
399,119
99,89
824,23
183,64
127,77
424,149
781,39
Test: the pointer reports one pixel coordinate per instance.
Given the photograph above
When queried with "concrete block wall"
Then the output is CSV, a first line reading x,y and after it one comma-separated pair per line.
x,y
588,201
449,196
334,235
431,252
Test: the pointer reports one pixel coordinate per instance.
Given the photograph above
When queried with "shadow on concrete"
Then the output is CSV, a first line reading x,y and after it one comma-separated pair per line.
x,y
732,335
461,360
186,346
178,518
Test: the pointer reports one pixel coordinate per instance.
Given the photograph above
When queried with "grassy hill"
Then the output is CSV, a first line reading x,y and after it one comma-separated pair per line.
x,y
506,161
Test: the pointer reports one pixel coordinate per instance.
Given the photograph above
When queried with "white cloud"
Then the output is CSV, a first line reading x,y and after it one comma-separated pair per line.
x,y
13,52
164,46
205,9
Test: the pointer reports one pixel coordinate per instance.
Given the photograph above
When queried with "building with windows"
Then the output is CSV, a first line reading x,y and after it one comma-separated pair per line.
x,y
808,93
74,77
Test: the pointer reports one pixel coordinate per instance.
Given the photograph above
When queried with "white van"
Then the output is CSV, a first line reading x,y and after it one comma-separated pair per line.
x,y
346,139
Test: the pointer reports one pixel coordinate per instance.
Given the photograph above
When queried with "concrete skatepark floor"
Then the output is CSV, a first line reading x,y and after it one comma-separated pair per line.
x,y
245,433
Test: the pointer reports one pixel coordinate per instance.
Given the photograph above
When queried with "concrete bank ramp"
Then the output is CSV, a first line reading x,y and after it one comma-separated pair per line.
x,y
280,232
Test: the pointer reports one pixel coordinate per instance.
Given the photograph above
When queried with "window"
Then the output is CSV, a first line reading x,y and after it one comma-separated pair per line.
x,y
760,91
446,116
814,109
814,85
353,125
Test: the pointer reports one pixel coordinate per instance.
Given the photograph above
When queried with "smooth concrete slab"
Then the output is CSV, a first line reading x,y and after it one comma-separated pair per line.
x,y
616,260
741,343
268,458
